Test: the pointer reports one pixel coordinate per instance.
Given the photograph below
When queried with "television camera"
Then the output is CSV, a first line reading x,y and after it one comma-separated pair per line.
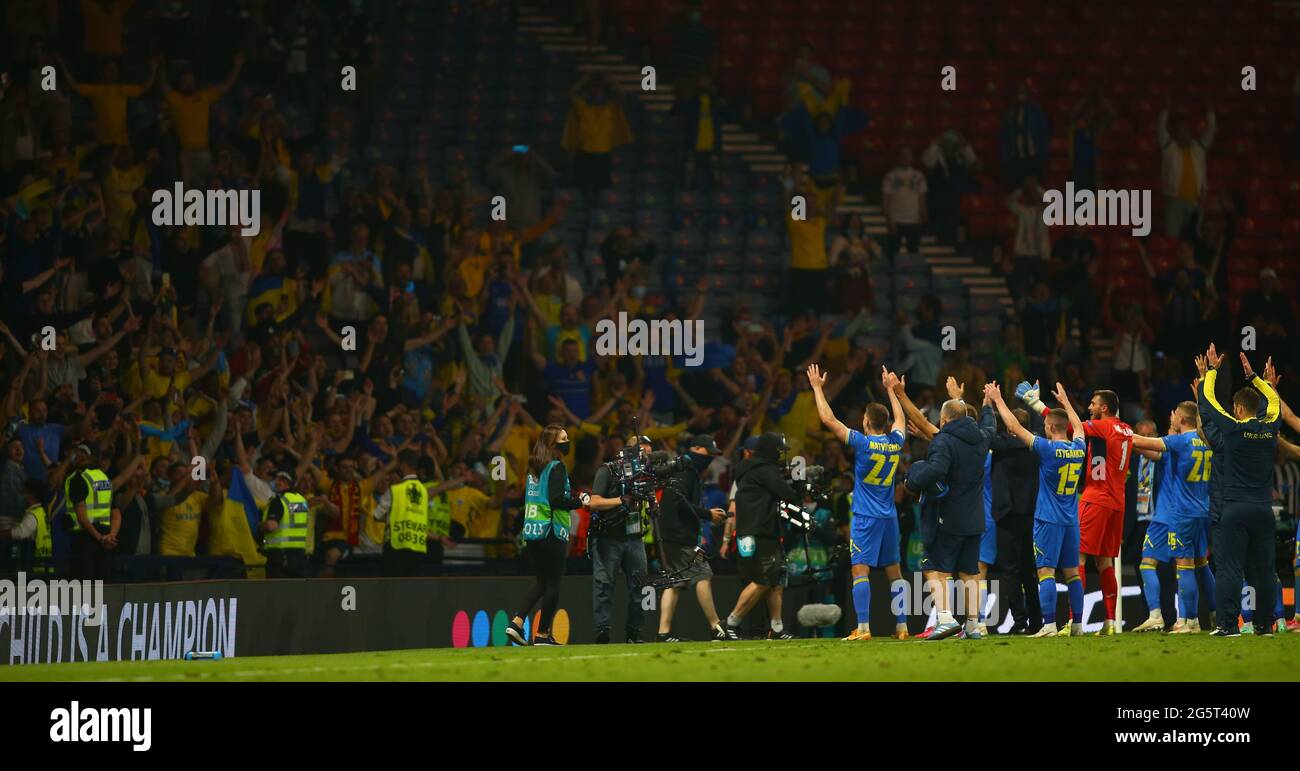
x,y
639,476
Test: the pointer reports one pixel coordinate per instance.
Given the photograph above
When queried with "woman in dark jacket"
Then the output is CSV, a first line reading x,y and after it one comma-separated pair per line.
x,y
548,508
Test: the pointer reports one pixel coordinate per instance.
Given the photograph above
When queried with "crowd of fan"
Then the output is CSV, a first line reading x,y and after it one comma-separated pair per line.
x,y
177,343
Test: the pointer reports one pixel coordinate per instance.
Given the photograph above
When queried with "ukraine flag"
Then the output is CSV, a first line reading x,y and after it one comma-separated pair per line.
x,y
233,526
280,292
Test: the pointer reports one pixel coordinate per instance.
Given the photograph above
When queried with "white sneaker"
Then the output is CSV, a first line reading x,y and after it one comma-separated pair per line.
x,y
1048,630
1154,623
1186,626
984,629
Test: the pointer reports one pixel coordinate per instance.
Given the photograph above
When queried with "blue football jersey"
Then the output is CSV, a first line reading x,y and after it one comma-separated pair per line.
x,y
875,459
1163,511
1185,478
1060,461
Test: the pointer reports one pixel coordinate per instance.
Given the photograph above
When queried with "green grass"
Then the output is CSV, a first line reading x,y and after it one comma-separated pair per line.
x,y
1126,657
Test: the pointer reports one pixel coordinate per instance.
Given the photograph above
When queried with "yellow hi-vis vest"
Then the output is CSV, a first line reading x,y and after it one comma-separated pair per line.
x,y
99,503
647,526
408,518
292,532
439,515
44,541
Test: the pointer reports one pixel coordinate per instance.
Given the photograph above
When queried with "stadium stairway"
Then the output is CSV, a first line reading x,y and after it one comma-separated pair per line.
x,y
973,298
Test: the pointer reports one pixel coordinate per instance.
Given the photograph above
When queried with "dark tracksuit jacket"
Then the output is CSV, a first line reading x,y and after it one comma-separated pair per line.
x,y
1243,522
1249,446
760,485
955,458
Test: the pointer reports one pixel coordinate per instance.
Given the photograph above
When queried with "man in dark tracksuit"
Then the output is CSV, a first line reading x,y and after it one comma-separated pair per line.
x,y
1015,493
760,488
677,531
952,520
1244,527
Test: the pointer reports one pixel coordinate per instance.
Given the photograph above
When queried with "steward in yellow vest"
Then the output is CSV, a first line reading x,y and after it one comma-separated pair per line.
x,y
93,520
439,523
285,530
31,547
405,506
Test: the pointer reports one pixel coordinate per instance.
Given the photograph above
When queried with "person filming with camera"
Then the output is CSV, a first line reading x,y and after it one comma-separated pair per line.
x,y
678,535
617,542
761,488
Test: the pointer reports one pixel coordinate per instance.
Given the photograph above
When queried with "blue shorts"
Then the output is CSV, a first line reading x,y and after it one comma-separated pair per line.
x,y
873,541
1158,544
989,544
950,554
1191,538
1056,546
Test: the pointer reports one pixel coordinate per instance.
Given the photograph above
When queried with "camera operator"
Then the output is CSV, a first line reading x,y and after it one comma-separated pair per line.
x,y
678,535
621,546
760,488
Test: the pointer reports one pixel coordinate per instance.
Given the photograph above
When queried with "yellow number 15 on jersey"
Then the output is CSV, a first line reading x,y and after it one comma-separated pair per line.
x,y
1069,479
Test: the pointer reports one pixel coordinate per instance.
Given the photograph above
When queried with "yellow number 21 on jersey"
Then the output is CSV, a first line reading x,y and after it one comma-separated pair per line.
x,y
873,476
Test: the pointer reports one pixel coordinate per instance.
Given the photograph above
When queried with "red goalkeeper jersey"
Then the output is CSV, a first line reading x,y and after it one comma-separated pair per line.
x,y
1110,451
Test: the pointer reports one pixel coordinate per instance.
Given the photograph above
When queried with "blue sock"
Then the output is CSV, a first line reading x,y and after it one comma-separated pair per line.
x,y
1047,598
1075,589
1205,580
1277,594
862,598
898,598
1247,609
984,600
1150,587
1187,594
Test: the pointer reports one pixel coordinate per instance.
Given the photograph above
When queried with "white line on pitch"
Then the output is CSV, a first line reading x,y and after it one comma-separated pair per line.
x,y
433,664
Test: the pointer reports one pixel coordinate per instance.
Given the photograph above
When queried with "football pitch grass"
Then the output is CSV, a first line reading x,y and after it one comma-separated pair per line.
x,y
1121,658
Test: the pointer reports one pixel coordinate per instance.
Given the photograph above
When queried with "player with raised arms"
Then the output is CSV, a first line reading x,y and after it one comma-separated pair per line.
x,y
873,539
1101,504
1183,506
1056,523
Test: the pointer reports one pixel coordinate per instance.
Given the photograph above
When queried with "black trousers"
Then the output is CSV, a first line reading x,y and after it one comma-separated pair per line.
x,y
433,561
909,234
546,559
806,291
1243,552
592,171
285,563
402,562
90,561
1016,566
